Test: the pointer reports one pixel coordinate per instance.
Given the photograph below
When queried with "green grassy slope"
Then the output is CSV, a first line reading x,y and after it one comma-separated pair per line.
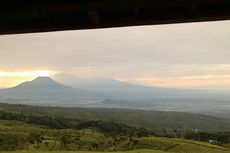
x,y
133,151
185,150
88,137
181,145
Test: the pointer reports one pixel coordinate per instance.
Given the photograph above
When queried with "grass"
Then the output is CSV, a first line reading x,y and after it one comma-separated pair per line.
x,y
133,151
181,145
186,149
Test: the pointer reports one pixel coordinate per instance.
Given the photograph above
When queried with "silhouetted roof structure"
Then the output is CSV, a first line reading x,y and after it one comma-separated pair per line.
x,y
25,16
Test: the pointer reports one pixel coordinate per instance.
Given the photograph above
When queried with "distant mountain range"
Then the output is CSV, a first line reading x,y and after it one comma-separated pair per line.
x,y
67,90
122,89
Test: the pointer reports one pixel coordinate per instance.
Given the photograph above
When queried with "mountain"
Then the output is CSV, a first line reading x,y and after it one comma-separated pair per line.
x,y
45,90
126,95
108,85
97,83
41,84
106,92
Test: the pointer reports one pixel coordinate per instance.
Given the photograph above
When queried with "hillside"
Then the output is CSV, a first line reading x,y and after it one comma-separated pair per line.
x,y
41,129
157,120
23,136
39,138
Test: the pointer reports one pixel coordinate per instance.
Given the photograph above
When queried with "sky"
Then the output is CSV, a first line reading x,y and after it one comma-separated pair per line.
x,y
190,55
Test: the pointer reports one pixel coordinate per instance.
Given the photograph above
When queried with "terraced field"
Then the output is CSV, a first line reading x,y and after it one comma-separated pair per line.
x,y
178,149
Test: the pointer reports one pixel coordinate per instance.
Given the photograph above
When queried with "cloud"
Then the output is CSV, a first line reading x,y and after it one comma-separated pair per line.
x,y
160,51
215,76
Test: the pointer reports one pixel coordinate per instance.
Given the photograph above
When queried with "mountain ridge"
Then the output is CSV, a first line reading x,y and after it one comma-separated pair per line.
x,y
44,90
45,82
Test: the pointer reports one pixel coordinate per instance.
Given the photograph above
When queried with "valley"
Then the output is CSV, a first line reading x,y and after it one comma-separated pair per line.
x,y
109,93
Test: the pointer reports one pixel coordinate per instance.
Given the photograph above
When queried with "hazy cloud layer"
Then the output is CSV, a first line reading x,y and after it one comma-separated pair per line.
x,y
167,55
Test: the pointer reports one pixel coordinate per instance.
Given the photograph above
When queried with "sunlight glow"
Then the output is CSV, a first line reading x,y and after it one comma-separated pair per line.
x,y
26,74
10,79
200,81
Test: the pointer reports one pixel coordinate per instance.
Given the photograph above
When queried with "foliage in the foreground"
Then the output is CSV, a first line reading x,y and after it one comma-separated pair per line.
x,y
28,131
28,138
186,150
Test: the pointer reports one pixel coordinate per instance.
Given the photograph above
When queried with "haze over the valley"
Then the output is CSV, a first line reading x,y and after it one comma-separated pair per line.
x,y
194,55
